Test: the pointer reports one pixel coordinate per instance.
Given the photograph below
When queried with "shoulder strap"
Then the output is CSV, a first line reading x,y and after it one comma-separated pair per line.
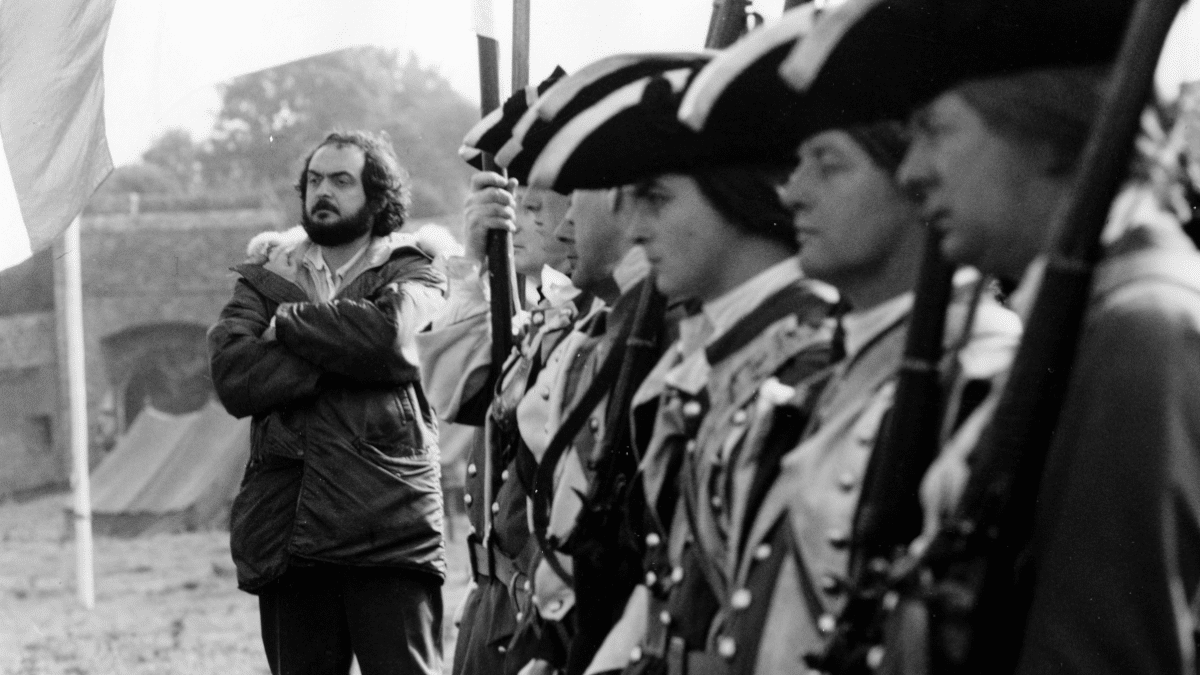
x,y
543,487
712,575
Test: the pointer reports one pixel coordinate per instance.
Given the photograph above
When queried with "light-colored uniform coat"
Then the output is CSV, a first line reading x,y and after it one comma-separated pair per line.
x,y
698,404
817,491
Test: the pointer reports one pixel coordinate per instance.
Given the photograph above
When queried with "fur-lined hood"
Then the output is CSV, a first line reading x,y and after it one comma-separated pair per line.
x,y
281,252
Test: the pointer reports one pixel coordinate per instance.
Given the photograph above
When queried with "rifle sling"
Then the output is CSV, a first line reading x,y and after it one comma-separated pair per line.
x,y
543,488
712,575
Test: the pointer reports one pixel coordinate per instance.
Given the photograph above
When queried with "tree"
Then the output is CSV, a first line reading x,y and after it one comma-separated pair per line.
x,y
175,152
140,178
270,119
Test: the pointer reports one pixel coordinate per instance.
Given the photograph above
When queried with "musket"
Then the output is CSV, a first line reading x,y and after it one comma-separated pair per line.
x,y
889,514
961,606
499,246
728,23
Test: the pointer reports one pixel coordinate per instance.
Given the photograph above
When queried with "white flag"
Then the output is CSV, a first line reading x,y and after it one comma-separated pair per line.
x,y
54,152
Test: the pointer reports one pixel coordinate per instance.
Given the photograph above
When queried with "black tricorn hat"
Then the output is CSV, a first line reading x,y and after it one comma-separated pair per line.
x,y
741,95
632,134
578,92
870,60
495,129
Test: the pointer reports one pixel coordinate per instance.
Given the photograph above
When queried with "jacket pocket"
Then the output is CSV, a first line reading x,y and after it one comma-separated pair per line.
x,y
272,438
392,426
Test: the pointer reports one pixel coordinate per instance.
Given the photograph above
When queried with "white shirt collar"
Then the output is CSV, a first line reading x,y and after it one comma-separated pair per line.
x,y
316,257
724,312
863,326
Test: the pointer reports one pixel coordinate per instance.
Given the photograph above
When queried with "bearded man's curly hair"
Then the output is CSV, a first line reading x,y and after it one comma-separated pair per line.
x,y
385,182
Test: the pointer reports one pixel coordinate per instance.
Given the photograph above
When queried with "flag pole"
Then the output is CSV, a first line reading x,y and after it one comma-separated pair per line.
x,y
72,316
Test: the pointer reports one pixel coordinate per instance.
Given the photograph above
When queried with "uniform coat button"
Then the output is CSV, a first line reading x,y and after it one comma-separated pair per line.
x,y
677,574
692,409
740,599
826,624
495,507
653,539
847,481
651,578
471,470
716,502
528,586
467,499
504,475
726,647
762,552
831,584
665,618
838,539
690,446
636,654
594,424
739,417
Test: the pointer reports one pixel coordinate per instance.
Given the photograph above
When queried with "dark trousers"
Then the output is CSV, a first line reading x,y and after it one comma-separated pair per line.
x,y
315,618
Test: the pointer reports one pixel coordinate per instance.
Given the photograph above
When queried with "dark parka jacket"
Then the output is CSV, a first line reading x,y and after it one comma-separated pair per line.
x,y
343,454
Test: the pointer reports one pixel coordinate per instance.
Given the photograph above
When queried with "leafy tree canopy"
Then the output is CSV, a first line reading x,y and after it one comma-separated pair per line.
x,y
269,120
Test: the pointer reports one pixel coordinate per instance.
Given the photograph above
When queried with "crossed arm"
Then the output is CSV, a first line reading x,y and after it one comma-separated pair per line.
x,y
370,341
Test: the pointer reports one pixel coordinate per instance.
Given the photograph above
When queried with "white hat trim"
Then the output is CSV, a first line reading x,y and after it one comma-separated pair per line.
x,y
546,169
715,77
803,65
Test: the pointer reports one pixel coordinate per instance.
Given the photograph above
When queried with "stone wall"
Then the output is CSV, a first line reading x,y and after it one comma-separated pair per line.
x,y
152,284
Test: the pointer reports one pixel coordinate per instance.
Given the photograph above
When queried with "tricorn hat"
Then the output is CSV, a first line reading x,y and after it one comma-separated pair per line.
x,y
578,92
495,129
864,61
740,94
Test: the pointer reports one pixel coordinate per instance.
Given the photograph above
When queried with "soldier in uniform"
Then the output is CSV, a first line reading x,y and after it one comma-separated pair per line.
x,y
455,357
715,234
570,617
1108,582
808,447
1115,556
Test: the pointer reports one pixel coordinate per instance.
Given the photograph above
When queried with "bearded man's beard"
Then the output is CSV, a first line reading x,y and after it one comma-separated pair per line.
x,y
341,231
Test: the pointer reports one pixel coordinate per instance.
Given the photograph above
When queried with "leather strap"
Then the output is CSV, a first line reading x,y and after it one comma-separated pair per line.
x,y
486,561
543,488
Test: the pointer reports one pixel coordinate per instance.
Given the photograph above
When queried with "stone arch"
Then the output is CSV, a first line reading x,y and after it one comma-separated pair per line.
x,y
162,364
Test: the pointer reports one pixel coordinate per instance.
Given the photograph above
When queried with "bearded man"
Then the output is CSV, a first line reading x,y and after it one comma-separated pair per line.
x,y
337,526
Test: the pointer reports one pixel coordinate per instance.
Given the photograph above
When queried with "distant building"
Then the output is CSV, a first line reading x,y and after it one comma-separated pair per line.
x,y
155,276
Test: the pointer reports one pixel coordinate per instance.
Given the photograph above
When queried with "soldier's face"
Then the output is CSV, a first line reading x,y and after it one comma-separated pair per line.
x,y
685,238
850,216
990,195
595,231
539,213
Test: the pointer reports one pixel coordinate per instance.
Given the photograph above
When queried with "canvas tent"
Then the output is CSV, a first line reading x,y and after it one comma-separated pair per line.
x,y
171,473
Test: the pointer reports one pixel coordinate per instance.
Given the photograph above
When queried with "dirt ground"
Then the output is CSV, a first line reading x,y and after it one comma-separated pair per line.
x,y
166,604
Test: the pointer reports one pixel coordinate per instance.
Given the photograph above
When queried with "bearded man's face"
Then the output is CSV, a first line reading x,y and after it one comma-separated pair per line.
x,y
335,204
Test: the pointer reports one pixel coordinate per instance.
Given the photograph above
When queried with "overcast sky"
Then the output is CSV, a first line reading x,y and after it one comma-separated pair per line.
x,y
164,57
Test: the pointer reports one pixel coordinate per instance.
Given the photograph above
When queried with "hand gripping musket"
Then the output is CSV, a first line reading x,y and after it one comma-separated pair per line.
x,y
889,511
960,607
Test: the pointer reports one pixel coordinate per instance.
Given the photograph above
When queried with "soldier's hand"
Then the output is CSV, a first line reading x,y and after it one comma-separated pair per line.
x,y
491,205
941,490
